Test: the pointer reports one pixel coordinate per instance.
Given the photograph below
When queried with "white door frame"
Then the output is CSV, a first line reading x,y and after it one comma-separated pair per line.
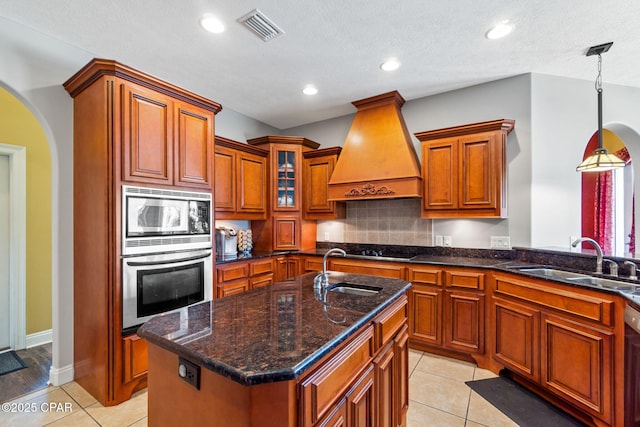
x,y
17,243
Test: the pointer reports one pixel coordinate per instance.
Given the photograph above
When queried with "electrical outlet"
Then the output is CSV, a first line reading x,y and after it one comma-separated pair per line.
x,y
326,236
500,242
190,372
438,240
446,241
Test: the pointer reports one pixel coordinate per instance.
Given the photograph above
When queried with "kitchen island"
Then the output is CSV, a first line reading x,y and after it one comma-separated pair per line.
x,y
284,355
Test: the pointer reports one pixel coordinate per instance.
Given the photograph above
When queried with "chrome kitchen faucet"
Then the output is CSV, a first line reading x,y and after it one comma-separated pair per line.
x,y
322,279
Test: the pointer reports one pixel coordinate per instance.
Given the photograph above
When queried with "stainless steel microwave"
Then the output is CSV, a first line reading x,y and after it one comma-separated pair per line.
x,y
160,220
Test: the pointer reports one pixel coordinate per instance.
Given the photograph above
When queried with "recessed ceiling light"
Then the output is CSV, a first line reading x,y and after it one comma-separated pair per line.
x,y
390,64
499,31
310,90
211,23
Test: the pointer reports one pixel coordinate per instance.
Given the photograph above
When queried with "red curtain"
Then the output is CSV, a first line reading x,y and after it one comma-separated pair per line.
x,y
604,209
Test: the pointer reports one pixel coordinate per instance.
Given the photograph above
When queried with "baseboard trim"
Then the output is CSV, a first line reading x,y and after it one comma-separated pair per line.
x,y
39,338
59,376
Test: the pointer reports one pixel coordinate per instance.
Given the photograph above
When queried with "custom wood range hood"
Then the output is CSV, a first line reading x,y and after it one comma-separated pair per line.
x,y
378,160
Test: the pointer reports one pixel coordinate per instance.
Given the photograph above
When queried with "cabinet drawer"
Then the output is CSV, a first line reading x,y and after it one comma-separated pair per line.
x,y
425,276
390,321
322,388
262,280
464,279
260,267
382,269
312,264
135,357
232,288
567,301
232,271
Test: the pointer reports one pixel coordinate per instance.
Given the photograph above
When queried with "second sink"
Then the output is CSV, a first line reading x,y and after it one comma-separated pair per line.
x,y
604,283
354,289
551,272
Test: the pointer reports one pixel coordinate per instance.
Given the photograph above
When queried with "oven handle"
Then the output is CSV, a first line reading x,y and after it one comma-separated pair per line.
x,y
171,261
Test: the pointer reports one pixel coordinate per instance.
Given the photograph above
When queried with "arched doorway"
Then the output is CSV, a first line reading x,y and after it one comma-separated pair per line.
x,y
608,207
22,125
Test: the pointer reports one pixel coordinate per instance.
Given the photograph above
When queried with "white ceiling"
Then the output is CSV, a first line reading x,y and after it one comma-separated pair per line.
x,y
337,45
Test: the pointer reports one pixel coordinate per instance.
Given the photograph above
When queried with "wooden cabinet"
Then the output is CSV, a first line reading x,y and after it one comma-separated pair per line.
x,y
285,229
317,169
240,180
311,263
372,268
632,378
561,340
365,382
447,309
129,128
464,170
164,141
287,266
240,276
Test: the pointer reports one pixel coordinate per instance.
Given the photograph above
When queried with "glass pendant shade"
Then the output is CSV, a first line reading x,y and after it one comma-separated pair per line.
x,y
600,161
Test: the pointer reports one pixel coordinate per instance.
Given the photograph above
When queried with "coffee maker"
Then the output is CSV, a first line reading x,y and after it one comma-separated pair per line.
x,y
226,242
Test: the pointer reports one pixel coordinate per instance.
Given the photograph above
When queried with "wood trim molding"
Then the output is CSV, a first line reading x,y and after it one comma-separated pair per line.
x,y
98,67
504,125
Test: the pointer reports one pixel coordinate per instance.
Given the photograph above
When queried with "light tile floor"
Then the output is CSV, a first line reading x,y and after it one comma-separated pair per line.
x,y
438,394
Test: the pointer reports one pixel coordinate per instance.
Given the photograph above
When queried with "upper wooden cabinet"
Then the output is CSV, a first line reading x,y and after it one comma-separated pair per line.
x,y
464,169
317,168
164,141
286,229
240,180
286,169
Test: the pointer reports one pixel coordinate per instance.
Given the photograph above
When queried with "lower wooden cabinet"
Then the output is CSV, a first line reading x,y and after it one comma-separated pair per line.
x,y
135,351
517,337
464,321
447,309
576,364
563,342
287,266
240,276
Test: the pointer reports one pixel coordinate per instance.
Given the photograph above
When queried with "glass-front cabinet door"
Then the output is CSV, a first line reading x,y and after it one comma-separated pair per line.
x,y
287,196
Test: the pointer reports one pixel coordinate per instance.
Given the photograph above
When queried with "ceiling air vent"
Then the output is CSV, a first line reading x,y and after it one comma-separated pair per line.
x,y
262,26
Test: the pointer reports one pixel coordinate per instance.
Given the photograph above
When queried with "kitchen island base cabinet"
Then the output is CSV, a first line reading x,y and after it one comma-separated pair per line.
x,y
220,402
363,382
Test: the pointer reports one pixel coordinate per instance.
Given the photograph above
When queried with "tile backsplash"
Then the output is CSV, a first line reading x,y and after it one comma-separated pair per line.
x,y
389,221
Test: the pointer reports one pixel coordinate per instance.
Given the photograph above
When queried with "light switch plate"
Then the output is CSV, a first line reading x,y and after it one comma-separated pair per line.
x,y
500,242
438,240
446,241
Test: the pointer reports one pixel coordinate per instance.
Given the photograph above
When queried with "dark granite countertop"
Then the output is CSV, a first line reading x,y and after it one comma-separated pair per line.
x,y
222,259
501,259
273,333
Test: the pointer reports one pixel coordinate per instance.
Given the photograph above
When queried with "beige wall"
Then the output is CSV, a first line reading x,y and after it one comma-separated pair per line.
x,y
19,127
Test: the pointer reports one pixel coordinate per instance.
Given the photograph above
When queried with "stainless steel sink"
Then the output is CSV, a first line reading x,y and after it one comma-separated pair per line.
x,y
605,283
551,272
354,289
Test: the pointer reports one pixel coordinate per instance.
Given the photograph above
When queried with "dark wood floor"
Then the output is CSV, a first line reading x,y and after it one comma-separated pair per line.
x,y
30,379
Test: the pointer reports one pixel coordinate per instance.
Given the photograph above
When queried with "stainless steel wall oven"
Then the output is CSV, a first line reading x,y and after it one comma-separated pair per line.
x,y
167,259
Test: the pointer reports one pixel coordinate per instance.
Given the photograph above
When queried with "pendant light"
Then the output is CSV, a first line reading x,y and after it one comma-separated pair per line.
x,y
600,160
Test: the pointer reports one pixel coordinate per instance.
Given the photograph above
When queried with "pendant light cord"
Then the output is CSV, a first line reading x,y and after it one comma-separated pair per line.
x,y
599,90
599,78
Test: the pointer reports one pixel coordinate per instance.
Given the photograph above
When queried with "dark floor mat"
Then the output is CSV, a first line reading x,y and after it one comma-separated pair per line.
x,y
10,362
522,406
